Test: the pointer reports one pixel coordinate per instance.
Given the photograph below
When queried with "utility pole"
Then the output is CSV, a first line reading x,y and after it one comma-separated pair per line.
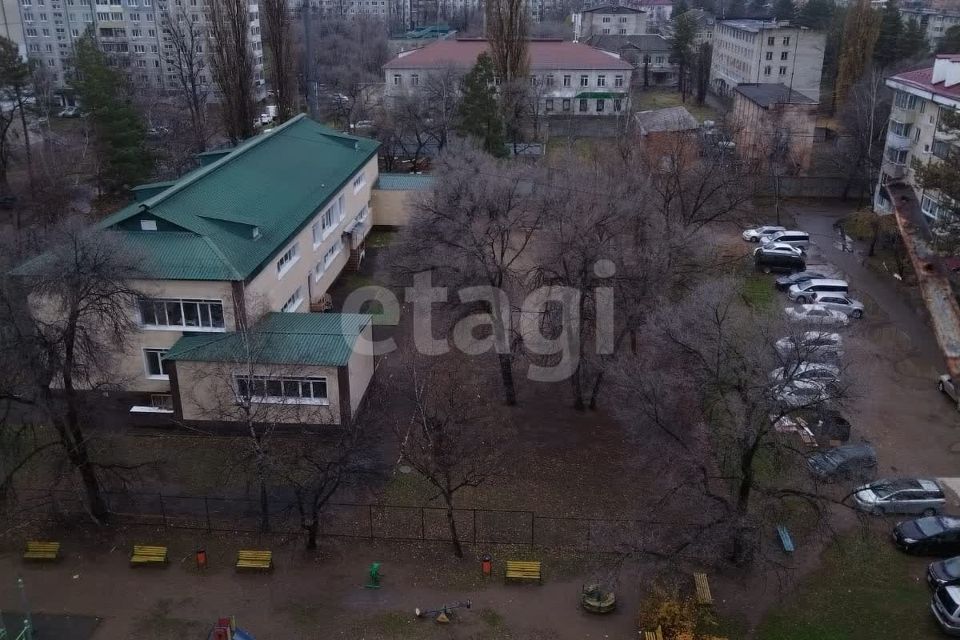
x,y
312,108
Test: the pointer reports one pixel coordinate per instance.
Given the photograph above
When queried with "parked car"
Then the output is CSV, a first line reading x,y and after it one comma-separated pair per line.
x,y
838,302
931,535
947,385
799,394
942,573
811,346
768,262
778,247
807,371
798,239
69,112
847,461
802,292
900,495
754,235
783,283
816,314
945,606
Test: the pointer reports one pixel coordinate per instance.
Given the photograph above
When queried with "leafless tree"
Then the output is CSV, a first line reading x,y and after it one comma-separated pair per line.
x,y
278,36
186,56
858,151
232,65
507,30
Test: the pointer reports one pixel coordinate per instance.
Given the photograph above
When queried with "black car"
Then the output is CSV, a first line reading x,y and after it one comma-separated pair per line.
x,y
769,262
943,573
847,461
784,282
933,535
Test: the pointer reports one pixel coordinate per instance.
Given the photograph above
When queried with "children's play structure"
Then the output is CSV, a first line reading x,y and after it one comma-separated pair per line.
x,y
227,629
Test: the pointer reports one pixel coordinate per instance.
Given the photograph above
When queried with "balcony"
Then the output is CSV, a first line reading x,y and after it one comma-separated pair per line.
x,y
895,171
898,142
900,114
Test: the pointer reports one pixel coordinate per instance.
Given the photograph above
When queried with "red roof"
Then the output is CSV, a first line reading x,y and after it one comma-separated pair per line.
x,y
921,79
544,55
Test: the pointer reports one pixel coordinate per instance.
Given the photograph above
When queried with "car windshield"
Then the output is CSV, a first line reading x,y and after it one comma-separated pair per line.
x,y
933,526
952,567
886,489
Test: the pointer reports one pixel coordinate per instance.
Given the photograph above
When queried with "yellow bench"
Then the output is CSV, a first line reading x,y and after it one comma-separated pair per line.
x,y
523,570
656,634
704,596
37,550
143,554
251,559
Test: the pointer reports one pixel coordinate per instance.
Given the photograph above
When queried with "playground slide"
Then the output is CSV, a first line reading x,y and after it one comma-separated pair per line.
x,y
240,634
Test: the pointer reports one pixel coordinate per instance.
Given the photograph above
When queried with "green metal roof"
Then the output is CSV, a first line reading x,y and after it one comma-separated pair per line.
x,y
404,182
321,339
274,183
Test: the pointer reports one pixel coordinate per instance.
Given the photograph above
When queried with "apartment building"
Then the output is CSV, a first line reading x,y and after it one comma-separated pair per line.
x,y
131,32
648,53
920,97
758,51
608,20
568,78
934,22
252,239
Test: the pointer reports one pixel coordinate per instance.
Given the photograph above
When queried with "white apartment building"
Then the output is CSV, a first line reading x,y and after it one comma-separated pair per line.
x,y
569,78
757,51
934,22
131,32
607,20
912,133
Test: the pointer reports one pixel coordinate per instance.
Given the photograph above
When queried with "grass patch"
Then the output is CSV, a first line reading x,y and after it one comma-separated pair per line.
x,y
648,99
865,590
758,292
380,238
408,489
585,148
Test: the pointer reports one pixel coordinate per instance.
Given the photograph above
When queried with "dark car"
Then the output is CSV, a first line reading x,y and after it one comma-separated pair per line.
x,y
943,573
933,535
848,461
785,282
769,262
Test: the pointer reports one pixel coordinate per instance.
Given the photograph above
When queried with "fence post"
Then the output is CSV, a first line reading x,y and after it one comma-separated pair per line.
x,y
206,509
163,509
474,526
370,515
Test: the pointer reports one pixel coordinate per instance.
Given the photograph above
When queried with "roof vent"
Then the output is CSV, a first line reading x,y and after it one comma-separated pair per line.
x,y
148,225
255,232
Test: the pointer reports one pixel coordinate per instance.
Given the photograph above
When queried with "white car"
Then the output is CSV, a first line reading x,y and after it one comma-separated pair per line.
x,y
807,371
778,248
948,385
839,302
798,394
754,235
811,346
816,314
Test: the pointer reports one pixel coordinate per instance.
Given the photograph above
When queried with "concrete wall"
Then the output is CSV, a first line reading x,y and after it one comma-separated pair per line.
x,y
360,368
392,208
755,129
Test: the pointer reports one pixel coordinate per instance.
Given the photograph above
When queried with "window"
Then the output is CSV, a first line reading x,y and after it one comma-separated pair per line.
x,y
359,181
156,366
606,32
583,106
601,81
566,81
293,302
769,55
905,100
331,255
899,128
606,19
600,105
931,207
784,55
617,104
167,313
770,41
916,134
550,81
786,41
287,260
566,104
766,70
584,81
415,79
623,32
897,156
162,402
281,389
396,79
548,104
659,60
783,71
623,20
618,81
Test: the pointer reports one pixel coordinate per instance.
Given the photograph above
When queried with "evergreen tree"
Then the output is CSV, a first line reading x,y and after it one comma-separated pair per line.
x,y
757,8
887,49
784,10
479,114
118,128
682,50
950,43
680,7
734,8
913,41
816,14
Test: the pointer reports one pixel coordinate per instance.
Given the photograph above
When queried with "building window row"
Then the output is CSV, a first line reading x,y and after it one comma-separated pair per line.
x,y
181,314
281,389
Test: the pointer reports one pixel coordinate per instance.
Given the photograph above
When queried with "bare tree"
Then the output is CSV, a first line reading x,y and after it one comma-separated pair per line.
x,y
858,152
349,56
232,65
279,40
507,29
186,56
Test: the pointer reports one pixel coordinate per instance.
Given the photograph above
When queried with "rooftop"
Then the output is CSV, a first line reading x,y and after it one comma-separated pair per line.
x,y
223,221
767,94
319,339
404,182
663,120
609,8
755,26
544,55
923,79
642,42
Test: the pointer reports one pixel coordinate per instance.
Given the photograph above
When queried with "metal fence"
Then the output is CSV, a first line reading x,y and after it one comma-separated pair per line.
x,y
372,521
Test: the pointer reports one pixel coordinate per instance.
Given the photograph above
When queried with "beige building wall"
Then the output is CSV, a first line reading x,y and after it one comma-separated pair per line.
x,y
360,367
392,208
754,129
207,394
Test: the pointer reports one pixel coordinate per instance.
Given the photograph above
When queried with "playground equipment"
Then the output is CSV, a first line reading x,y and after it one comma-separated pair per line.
x,y
443,614
597,598
26,630
375,576
227,629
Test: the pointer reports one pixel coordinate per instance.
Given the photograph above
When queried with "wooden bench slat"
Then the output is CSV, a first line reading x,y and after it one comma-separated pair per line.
x,y
254,559
42,550
523,570
703,588
148,554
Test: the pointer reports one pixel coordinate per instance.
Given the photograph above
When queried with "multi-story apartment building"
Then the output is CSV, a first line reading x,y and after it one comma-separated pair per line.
x,y
914,134
608,20
131,32
757,51
568,78
648,53
934,22
232,258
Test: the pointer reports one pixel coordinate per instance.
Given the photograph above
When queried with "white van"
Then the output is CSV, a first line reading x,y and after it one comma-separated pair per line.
x,y
798,239
803,292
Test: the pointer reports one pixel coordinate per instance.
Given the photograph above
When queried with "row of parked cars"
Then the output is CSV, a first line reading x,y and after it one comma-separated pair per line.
x,y
823,300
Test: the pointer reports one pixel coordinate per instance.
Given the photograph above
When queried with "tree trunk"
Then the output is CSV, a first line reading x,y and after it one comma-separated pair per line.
x,y
577,385
26,143
313,528
875,227
595,391
452,523
506,376
264,505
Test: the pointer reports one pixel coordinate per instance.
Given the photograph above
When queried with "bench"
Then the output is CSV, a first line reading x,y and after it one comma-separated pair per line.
x,y
786,540
704,596
523,570
145,555
656,634
37,550
253,559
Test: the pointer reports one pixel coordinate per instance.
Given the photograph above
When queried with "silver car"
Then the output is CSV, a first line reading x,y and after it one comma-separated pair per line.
x,y
839,302
799,394
811,346
816,314
900,495
807,371
947,385
946,609
754,235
